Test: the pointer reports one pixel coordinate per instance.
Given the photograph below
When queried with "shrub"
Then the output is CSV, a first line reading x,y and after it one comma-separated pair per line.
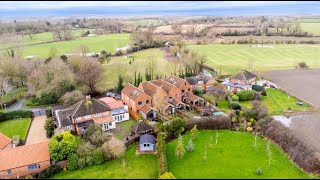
x,y
180,149
259,171
176,126
264,93
246,95
234,97
194,132
81,163
302,65
61,145
49,127
234,105
167,175
257,96
249,123
89,160
73,161
258,88
16,139
49,111
49,172
114,148
249,129
13,114
198,92
98,157
190,146
161,148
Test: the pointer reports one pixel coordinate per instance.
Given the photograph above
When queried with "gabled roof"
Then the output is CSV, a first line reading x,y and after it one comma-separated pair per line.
x,y
107,100
175,81
63,117
132,91
24,155
4,141
88,107
147,138
243,75
150,88
163,85
192,97
142,126
145,109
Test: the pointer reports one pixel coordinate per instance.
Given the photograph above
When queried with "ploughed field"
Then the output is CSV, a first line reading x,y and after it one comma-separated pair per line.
x,y
232,57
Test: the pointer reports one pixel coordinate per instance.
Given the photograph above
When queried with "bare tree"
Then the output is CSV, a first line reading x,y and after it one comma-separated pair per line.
x,y
177,28
114,148
90,74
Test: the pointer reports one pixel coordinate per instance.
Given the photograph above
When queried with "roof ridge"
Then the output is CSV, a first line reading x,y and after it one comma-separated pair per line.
x,y
104,104
77,107
19,147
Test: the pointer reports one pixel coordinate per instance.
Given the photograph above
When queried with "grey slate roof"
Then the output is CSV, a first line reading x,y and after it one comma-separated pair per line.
x,y
147,138
228,83
243,75
96,107
63,117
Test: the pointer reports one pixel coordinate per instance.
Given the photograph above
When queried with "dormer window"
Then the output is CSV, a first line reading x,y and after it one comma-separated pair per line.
x,y
140,103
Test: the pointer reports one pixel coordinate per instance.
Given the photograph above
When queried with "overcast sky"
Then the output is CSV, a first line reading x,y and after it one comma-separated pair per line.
x,y
136,7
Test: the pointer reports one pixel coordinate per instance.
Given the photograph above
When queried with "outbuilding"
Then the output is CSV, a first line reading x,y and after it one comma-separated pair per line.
x,y
147,142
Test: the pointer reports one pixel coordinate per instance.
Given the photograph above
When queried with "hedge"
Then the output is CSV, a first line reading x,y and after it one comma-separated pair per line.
x,y
246,95
210,122
13,114
300,152
234,105
258,88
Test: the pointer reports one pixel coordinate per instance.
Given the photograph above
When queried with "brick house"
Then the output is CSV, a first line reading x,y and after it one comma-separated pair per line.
x,y
5,142
24,160
163,96
80,115
243,80
135,99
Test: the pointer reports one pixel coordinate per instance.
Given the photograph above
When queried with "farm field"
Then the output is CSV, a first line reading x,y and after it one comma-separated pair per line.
x,y
313,28
14,127
235,156
44,37
279,102
95,43
232,57
302,84
146,22
142,166
120,65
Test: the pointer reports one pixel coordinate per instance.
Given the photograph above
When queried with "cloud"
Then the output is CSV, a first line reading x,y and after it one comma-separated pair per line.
x,y
139,5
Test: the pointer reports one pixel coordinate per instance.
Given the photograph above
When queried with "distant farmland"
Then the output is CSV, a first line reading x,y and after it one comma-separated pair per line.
x,y
232,57
95,43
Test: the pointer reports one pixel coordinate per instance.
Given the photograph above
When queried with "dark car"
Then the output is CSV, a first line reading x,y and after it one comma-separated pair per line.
x,y
299,103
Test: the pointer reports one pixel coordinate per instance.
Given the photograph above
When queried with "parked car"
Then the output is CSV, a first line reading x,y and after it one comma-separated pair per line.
x,y
110,94
299,103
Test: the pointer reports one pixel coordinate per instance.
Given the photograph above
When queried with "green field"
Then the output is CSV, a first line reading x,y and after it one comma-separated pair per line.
x,y
309,20
17,93
120,65
232,57
44,37
313,28
278,102
234,156
15,127
95,43
142,166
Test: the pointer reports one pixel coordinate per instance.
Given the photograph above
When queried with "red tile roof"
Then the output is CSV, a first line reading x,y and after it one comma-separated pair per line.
x,y
175,81
132,91
107,100
24,155
112,103
145,109
4,141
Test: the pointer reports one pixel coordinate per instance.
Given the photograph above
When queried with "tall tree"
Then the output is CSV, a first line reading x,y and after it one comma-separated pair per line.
x,y
90,74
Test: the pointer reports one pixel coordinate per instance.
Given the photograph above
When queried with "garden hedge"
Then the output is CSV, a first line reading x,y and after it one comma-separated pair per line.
x,y
300,152
246,95
13,114
210,122
258,88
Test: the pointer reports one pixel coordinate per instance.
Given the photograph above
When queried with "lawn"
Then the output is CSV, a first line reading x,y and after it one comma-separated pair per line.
x,y
278,102
313,28
235,156
223,105
232,57
15,127
17,93
123,129
142,166
44,37
97,43
120,65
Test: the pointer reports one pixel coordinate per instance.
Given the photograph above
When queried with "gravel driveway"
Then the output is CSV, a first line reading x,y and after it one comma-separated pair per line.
x,y
37,132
